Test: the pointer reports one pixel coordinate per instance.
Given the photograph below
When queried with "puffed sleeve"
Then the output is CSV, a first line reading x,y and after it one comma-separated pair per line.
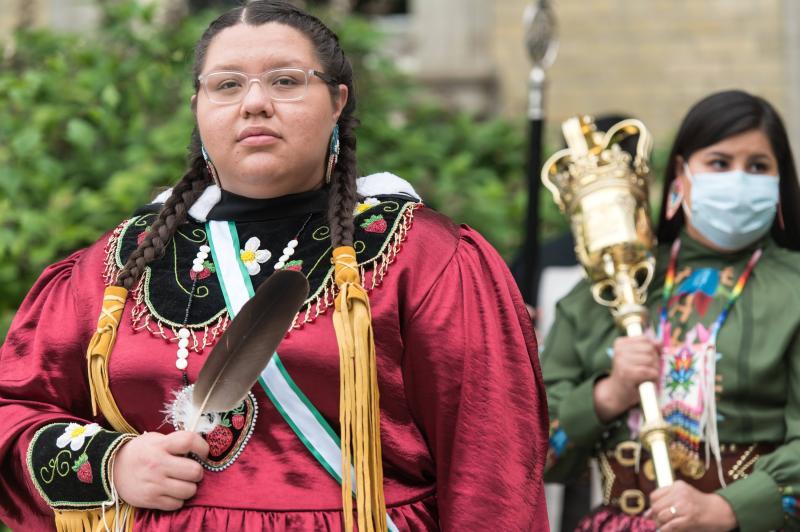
x,y
575,428
52,453
768,498
474,386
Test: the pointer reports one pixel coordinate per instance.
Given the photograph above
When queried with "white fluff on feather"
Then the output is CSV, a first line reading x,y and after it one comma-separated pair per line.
x,y
181,412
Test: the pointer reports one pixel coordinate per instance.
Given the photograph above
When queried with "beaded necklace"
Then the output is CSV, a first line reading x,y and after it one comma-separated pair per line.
x,y
695,420
669,284
198,265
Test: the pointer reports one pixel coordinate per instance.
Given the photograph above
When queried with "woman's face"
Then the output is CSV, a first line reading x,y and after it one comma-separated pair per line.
x,y
288,151
750,152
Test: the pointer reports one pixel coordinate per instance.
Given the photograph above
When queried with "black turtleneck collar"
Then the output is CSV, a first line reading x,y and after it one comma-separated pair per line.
x,y
238,208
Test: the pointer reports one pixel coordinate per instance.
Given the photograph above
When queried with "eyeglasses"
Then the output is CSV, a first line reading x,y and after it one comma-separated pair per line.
x,y
281,84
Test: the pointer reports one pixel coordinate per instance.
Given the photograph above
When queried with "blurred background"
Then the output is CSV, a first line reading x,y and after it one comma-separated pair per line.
x,y
94,113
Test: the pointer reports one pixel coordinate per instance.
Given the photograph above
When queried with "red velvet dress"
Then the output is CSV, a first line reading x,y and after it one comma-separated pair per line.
x,y
463,414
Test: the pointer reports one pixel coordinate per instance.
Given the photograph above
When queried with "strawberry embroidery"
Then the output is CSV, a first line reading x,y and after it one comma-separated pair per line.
x,y
374,224
219,440
237,421
83,468
295,265
205,273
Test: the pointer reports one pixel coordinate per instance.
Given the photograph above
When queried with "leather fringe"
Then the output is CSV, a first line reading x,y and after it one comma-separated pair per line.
x,y
97,357
94,520
359,408
98,354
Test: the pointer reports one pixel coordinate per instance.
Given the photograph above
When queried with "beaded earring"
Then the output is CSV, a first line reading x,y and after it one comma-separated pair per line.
x,y
333,153
210,165
675,198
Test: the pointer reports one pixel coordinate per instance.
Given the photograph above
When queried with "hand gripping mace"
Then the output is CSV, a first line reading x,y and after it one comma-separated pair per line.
x,y
603,191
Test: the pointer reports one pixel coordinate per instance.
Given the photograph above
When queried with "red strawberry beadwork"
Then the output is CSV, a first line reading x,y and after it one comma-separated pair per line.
x,y
237,421
83,469
85,473
219,440
205,273
296,265
374,224
202,274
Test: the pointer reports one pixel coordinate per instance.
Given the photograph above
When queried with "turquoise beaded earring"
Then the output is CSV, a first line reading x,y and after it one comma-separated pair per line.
x,y
333,153
210,165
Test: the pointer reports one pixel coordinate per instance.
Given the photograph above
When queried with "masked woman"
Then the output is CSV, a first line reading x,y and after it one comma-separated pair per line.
x,y
726,345
460,437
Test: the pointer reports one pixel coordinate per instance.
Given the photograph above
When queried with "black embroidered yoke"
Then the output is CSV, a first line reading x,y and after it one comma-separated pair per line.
x,y
264,228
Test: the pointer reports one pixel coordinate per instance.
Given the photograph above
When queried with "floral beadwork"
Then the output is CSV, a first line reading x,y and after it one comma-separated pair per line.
x,y
68,463
162,312
367,204
75,435
374,224
295,265
253,257
228,437
83,469
205,273
681,372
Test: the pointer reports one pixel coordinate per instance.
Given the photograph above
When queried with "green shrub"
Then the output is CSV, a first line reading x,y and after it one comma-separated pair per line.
x,y
88,127
91,124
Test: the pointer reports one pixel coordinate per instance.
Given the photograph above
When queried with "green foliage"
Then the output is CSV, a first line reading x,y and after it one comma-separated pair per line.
x,y
91,124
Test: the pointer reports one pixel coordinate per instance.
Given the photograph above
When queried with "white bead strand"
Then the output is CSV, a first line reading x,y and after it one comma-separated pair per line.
x,y
182,361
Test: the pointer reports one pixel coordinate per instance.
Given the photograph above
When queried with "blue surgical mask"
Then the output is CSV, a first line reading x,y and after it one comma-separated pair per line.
x,y
733,209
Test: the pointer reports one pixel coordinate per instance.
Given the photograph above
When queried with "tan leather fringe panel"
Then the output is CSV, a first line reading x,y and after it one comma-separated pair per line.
x,y
92,520
98,354
359,408
97,357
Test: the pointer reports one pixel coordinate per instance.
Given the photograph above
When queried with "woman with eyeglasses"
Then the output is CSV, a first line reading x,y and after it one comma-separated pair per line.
x,y
725,353
454,436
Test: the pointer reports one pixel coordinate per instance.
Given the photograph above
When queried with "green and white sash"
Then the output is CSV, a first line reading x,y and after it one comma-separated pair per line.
x,y
304,419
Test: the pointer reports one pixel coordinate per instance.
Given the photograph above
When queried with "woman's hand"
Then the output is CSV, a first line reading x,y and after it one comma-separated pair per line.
x,y
682,507
152,470
636,360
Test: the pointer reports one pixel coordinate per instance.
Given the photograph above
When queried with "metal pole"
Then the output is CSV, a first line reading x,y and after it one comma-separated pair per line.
x,y
542,44
536,84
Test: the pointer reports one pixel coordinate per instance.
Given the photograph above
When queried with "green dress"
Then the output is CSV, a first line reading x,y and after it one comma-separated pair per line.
x,y
757,370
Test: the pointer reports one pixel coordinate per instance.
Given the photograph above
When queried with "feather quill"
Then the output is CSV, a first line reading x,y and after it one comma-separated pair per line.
x,y
247,346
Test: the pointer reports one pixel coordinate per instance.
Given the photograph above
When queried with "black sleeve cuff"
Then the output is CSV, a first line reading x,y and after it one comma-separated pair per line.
x,y
69,464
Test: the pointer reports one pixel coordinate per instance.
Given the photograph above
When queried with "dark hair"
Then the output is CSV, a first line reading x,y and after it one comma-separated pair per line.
x,y
716,118
342,194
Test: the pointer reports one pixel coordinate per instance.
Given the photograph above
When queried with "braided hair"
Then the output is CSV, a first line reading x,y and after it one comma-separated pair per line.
x,y
342,193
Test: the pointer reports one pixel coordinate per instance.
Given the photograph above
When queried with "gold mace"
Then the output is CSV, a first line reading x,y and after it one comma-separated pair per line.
x,y
603,191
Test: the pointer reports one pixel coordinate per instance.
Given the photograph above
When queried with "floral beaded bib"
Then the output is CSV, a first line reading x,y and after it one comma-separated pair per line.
x,y
160,297
187,272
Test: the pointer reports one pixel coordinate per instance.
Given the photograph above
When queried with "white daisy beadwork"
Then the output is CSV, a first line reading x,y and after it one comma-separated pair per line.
x,y
253,257
76,434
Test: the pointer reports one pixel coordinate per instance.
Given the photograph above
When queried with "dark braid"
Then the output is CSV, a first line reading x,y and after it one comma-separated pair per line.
x,y
343,196
172,214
